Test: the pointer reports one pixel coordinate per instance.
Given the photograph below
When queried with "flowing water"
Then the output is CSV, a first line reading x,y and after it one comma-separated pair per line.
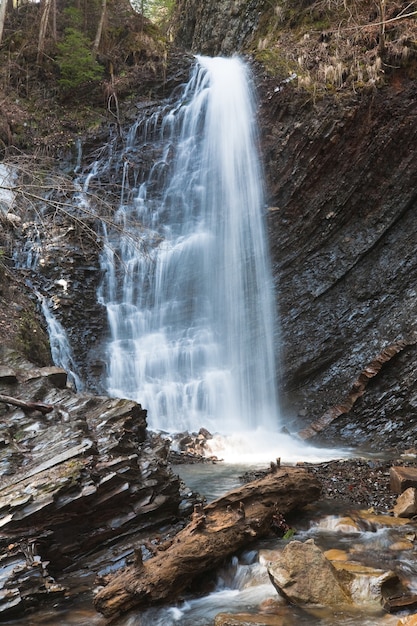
x,y
242,585
192,314
61,351
192,320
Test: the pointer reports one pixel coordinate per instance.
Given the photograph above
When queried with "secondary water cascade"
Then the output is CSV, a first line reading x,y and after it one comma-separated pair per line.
x,y
187,283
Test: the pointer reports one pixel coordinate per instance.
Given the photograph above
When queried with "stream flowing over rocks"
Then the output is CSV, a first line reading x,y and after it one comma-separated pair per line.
x,y
87,489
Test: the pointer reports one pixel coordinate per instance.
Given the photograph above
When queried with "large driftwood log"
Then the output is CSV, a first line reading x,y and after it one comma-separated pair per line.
x,y
215,532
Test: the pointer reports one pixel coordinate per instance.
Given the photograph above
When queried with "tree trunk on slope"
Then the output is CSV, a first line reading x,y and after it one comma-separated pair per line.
x,y
3,4
46,9
100,26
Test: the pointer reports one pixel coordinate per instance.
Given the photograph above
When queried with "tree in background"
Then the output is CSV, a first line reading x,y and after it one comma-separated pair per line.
x,y
100,26
46,6
3,6
75,59
159,11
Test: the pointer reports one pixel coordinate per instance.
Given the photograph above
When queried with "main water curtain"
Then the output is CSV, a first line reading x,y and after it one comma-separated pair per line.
x,y
187,285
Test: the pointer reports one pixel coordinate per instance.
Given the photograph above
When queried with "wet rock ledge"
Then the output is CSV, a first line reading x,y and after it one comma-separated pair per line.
x,y
81,482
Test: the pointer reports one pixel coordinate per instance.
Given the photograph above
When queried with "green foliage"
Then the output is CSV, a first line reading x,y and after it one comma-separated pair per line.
x,y
75,60
156,10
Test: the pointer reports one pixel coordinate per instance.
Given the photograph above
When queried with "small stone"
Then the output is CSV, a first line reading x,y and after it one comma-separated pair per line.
x,y
336,555
7,375
401,478
14,219
247,619
401,603
406,505
383,521
398,546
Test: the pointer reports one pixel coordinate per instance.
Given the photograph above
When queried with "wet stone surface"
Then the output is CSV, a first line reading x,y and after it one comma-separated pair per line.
x,y
80,486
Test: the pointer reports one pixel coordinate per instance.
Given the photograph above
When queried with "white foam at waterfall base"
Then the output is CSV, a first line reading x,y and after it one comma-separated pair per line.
x,y
264,446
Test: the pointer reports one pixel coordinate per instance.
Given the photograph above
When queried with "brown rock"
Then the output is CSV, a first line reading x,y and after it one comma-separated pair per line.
x,y
364,584
247,619
336,555
401,478
401,603
305,577
406,505
399,546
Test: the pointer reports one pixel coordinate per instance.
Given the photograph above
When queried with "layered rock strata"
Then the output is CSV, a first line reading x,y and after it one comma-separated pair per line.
x,y
80,485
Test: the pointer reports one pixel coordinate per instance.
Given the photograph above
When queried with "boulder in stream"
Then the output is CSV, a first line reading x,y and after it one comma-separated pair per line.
x,y
406,505
305,577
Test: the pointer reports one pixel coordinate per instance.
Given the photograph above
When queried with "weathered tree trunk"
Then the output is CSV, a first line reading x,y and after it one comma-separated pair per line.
x,y
100,26
27,406
3,5
46,9
382,13
217,531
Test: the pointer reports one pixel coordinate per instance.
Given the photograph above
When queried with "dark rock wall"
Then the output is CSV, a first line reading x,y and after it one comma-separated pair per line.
x,y
82,485
342,181
215,28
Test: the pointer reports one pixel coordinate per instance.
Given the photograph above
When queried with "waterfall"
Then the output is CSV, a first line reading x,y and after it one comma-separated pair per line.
x,y
187,283
60,348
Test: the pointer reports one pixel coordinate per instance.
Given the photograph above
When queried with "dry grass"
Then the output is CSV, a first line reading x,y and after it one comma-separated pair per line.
x,y
339,44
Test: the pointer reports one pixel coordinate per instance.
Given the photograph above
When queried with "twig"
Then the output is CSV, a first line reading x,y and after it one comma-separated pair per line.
x,y
27,406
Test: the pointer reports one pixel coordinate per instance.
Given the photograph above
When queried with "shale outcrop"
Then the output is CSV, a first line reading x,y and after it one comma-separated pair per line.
x,y
81,483
342,179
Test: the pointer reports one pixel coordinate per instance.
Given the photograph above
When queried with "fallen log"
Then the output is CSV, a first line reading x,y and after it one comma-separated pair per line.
x,y
214,533
27,406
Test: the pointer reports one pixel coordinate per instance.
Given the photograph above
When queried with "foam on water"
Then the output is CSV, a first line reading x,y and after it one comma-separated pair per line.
x,y
262,446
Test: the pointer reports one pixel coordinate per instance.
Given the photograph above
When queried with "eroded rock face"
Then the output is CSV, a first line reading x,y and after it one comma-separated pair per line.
x,y
75,481
216,28
341,179
65,271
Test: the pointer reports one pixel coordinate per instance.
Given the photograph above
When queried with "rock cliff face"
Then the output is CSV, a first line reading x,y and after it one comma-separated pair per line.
x,y
342,181
217,28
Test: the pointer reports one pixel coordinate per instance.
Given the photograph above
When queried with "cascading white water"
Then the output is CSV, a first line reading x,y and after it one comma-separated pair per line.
x,y
61,351
191,314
